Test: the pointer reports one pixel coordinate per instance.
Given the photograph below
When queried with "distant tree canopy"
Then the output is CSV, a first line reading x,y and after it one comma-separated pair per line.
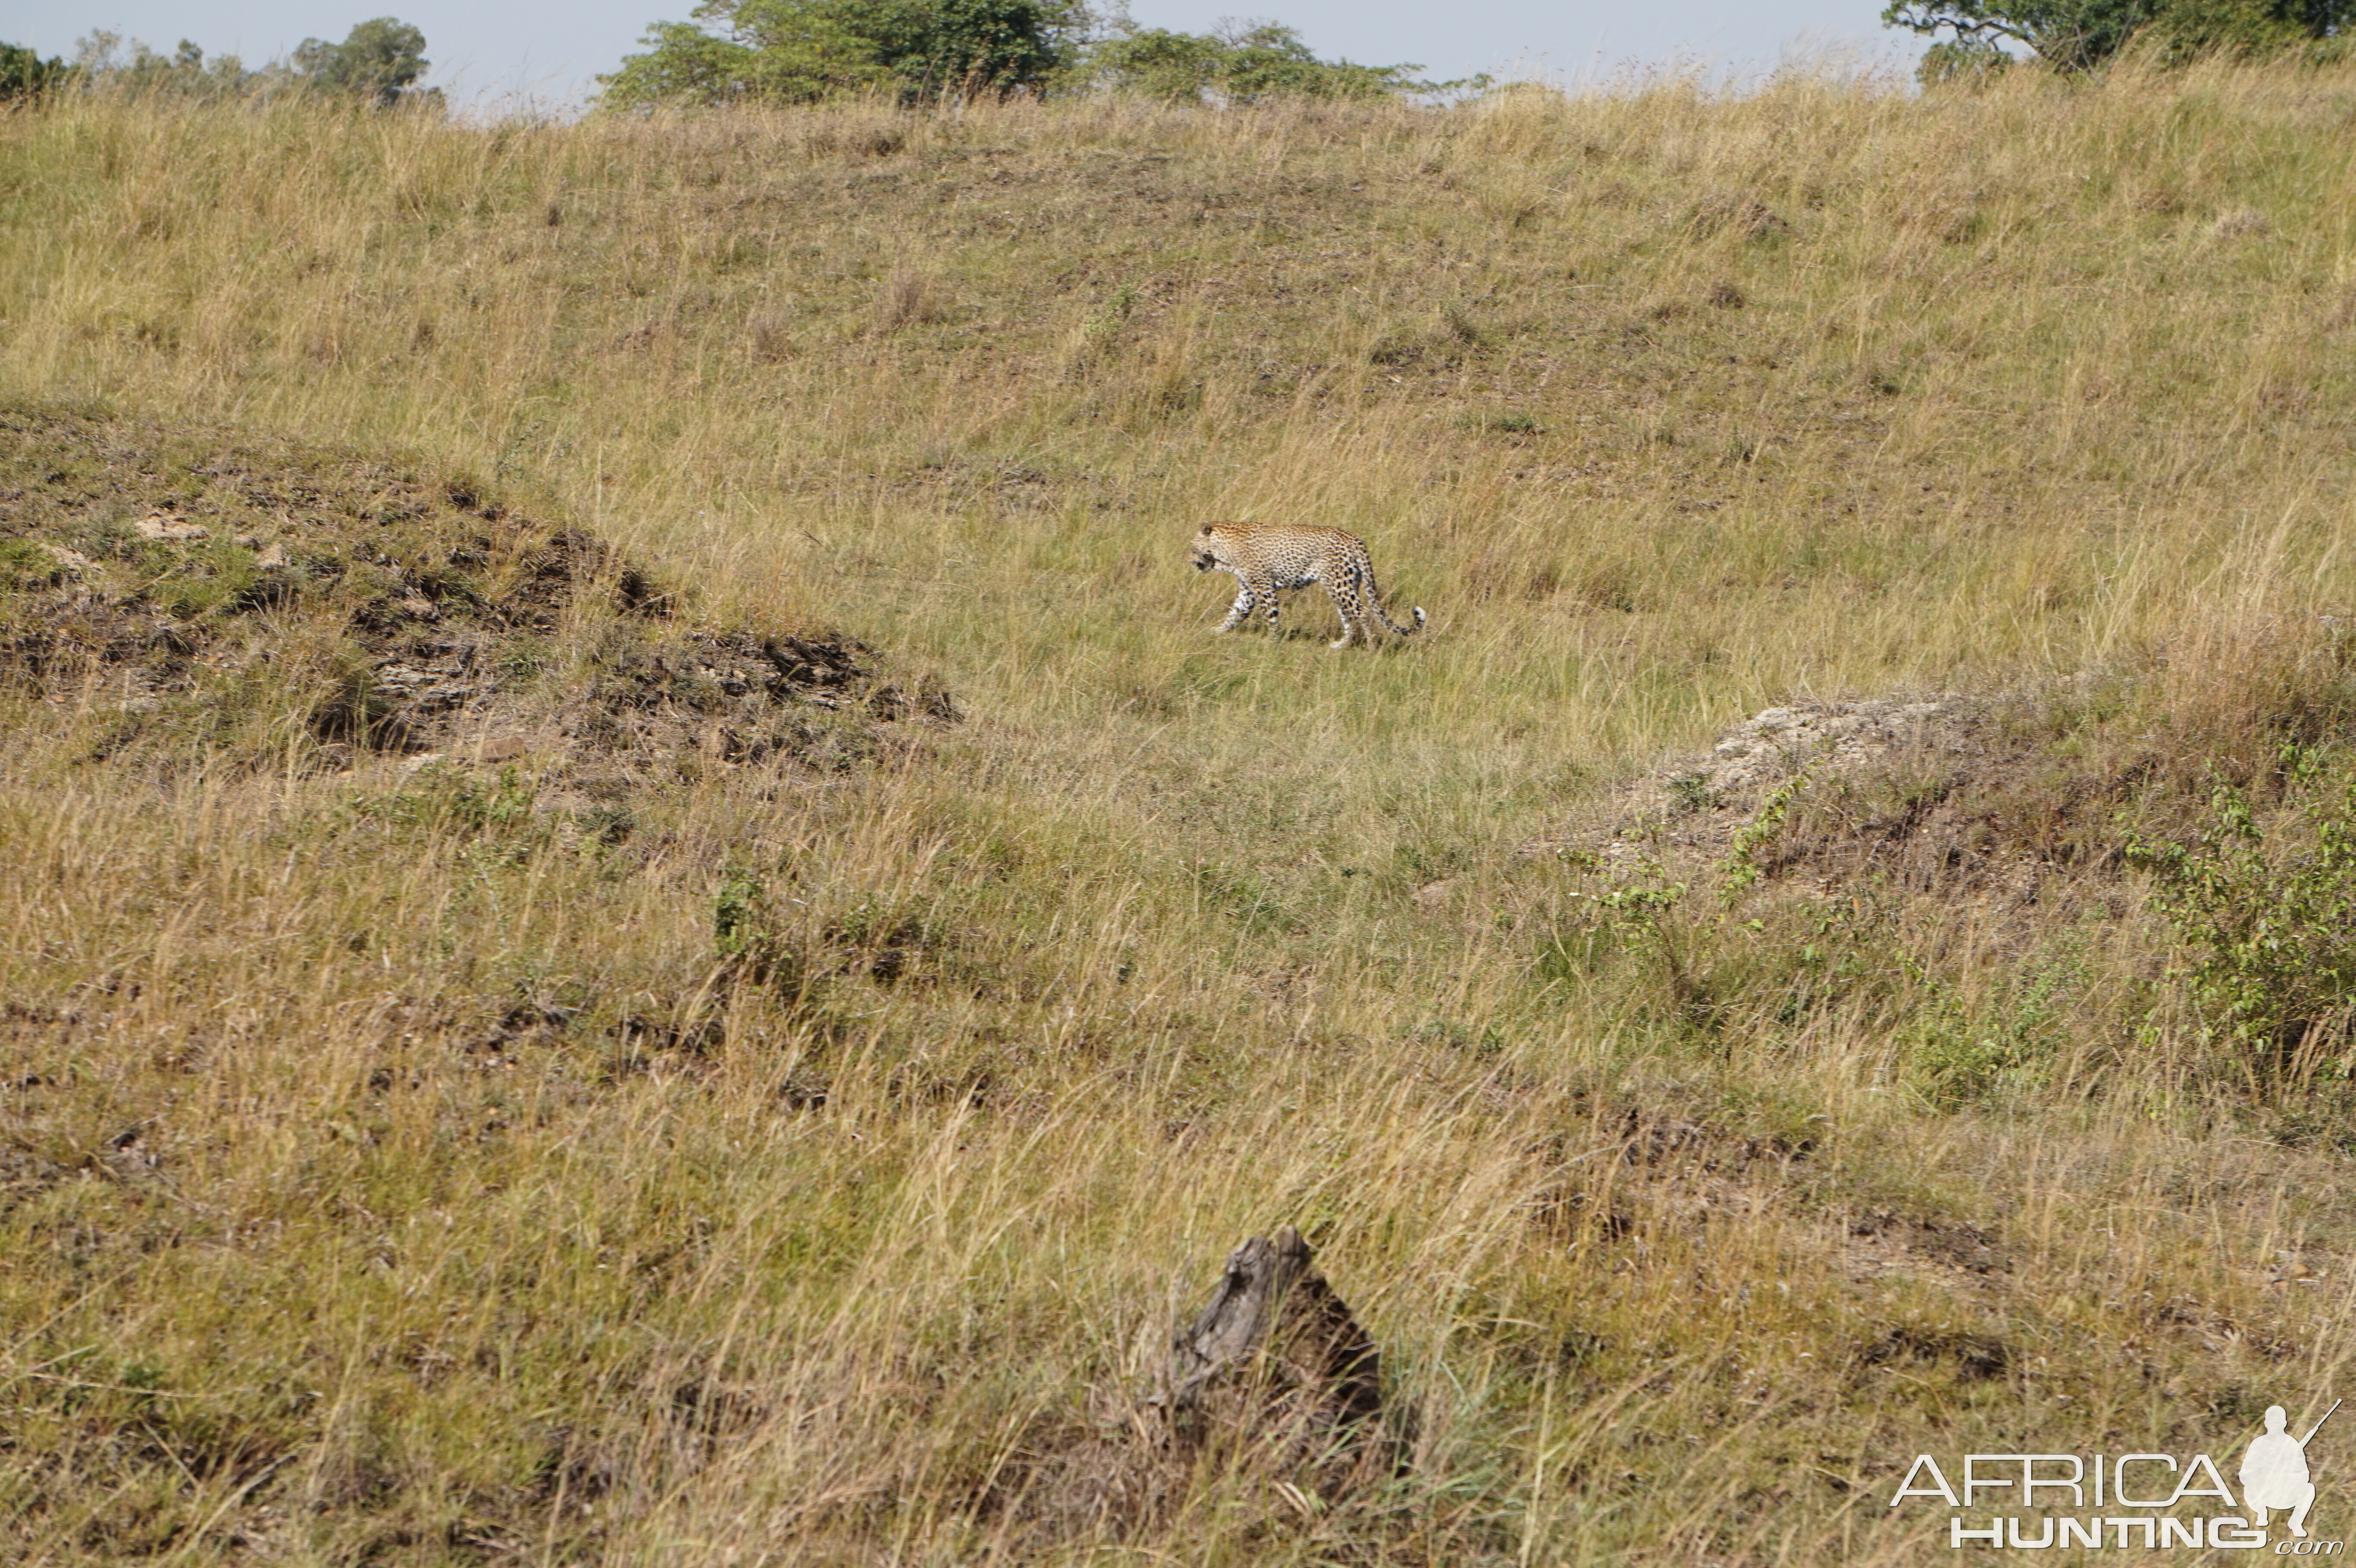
x,y
799,50
105,59
25,74
378,61
2078,35
1239,64
381,60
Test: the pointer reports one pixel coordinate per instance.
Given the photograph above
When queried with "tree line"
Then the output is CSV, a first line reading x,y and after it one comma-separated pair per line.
x,y
801,50
786,51
380,62
796,51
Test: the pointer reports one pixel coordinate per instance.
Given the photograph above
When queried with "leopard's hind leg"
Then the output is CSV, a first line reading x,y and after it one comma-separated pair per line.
x,y
1374,598
1346,605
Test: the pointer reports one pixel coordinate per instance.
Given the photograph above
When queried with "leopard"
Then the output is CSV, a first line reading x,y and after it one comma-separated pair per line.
x,y
1273,558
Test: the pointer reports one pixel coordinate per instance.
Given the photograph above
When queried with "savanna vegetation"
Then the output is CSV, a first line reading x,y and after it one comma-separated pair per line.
x,y
380,62
804,51
642,923
1983,36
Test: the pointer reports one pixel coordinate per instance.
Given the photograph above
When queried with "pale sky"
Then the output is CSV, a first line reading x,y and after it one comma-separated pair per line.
x,y
486,53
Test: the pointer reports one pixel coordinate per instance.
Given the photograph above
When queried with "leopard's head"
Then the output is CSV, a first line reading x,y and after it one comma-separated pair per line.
x,y
1206,548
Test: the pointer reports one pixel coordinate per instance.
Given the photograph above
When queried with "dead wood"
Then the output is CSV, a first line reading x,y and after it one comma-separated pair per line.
x,y
1275,1370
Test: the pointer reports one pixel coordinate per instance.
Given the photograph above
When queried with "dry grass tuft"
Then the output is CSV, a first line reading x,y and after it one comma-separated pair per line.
x,y
910,298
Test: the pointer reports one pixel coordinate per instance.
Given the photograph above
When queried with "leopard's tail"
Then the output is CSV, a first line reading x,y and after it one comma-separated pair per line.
x,y
1375,600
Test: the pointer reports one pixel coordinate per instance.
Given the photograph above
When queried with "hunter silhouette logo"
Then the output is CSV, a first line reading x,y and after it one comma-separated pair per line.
x,y
2274,1472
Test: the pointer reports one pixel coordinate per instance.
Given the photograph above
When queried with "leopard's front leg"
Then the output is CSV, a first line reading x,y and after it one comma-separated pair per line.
x,y
1243,607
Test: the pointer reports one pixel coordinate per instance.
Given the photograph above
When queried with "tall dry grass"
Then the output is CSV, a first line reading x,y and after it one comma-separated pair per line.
x,y
394,1180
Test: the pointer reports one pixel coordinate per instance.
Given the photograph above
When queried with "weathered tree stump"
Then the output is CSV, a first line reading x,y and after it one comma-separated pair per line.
x,y
1275,1371
1273,1384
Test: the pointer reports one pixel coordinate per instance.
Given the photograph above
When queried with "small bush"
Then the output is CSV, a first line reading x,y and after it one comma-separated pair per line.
x,y
2004,1049
2271,925
748,935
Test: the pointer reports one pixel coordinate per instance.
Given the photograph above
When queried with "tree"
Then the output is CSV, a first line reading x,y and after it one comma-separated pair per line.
x,y
931,46
2194,27
105,59
2078,35
1153,62
24,74
799,50
2068,34
686,64
1240,63
379,60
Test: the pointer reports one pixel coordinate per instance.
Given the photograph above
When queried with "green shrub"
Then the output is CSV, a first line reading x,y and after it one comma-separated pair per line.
x,y
2270,925
2004,1049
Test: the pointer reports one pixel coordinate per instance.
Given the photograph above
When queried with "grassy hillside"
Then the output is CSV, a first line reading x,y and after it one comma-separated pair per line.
x,y
553,1128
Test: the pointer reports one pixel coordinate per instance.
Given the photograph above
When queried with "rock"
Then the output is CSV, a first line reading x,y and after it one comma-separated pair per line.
x,y
1701,801
1776,742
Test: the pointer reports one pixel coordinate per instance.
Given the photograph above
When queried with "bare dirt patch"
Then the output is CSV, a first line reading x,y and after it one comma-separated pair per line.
x,y
263,599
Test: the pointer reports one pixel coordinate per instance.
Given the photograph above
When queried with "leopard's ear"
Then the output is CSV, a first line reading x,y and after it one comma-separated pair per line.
x,y
1208,528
